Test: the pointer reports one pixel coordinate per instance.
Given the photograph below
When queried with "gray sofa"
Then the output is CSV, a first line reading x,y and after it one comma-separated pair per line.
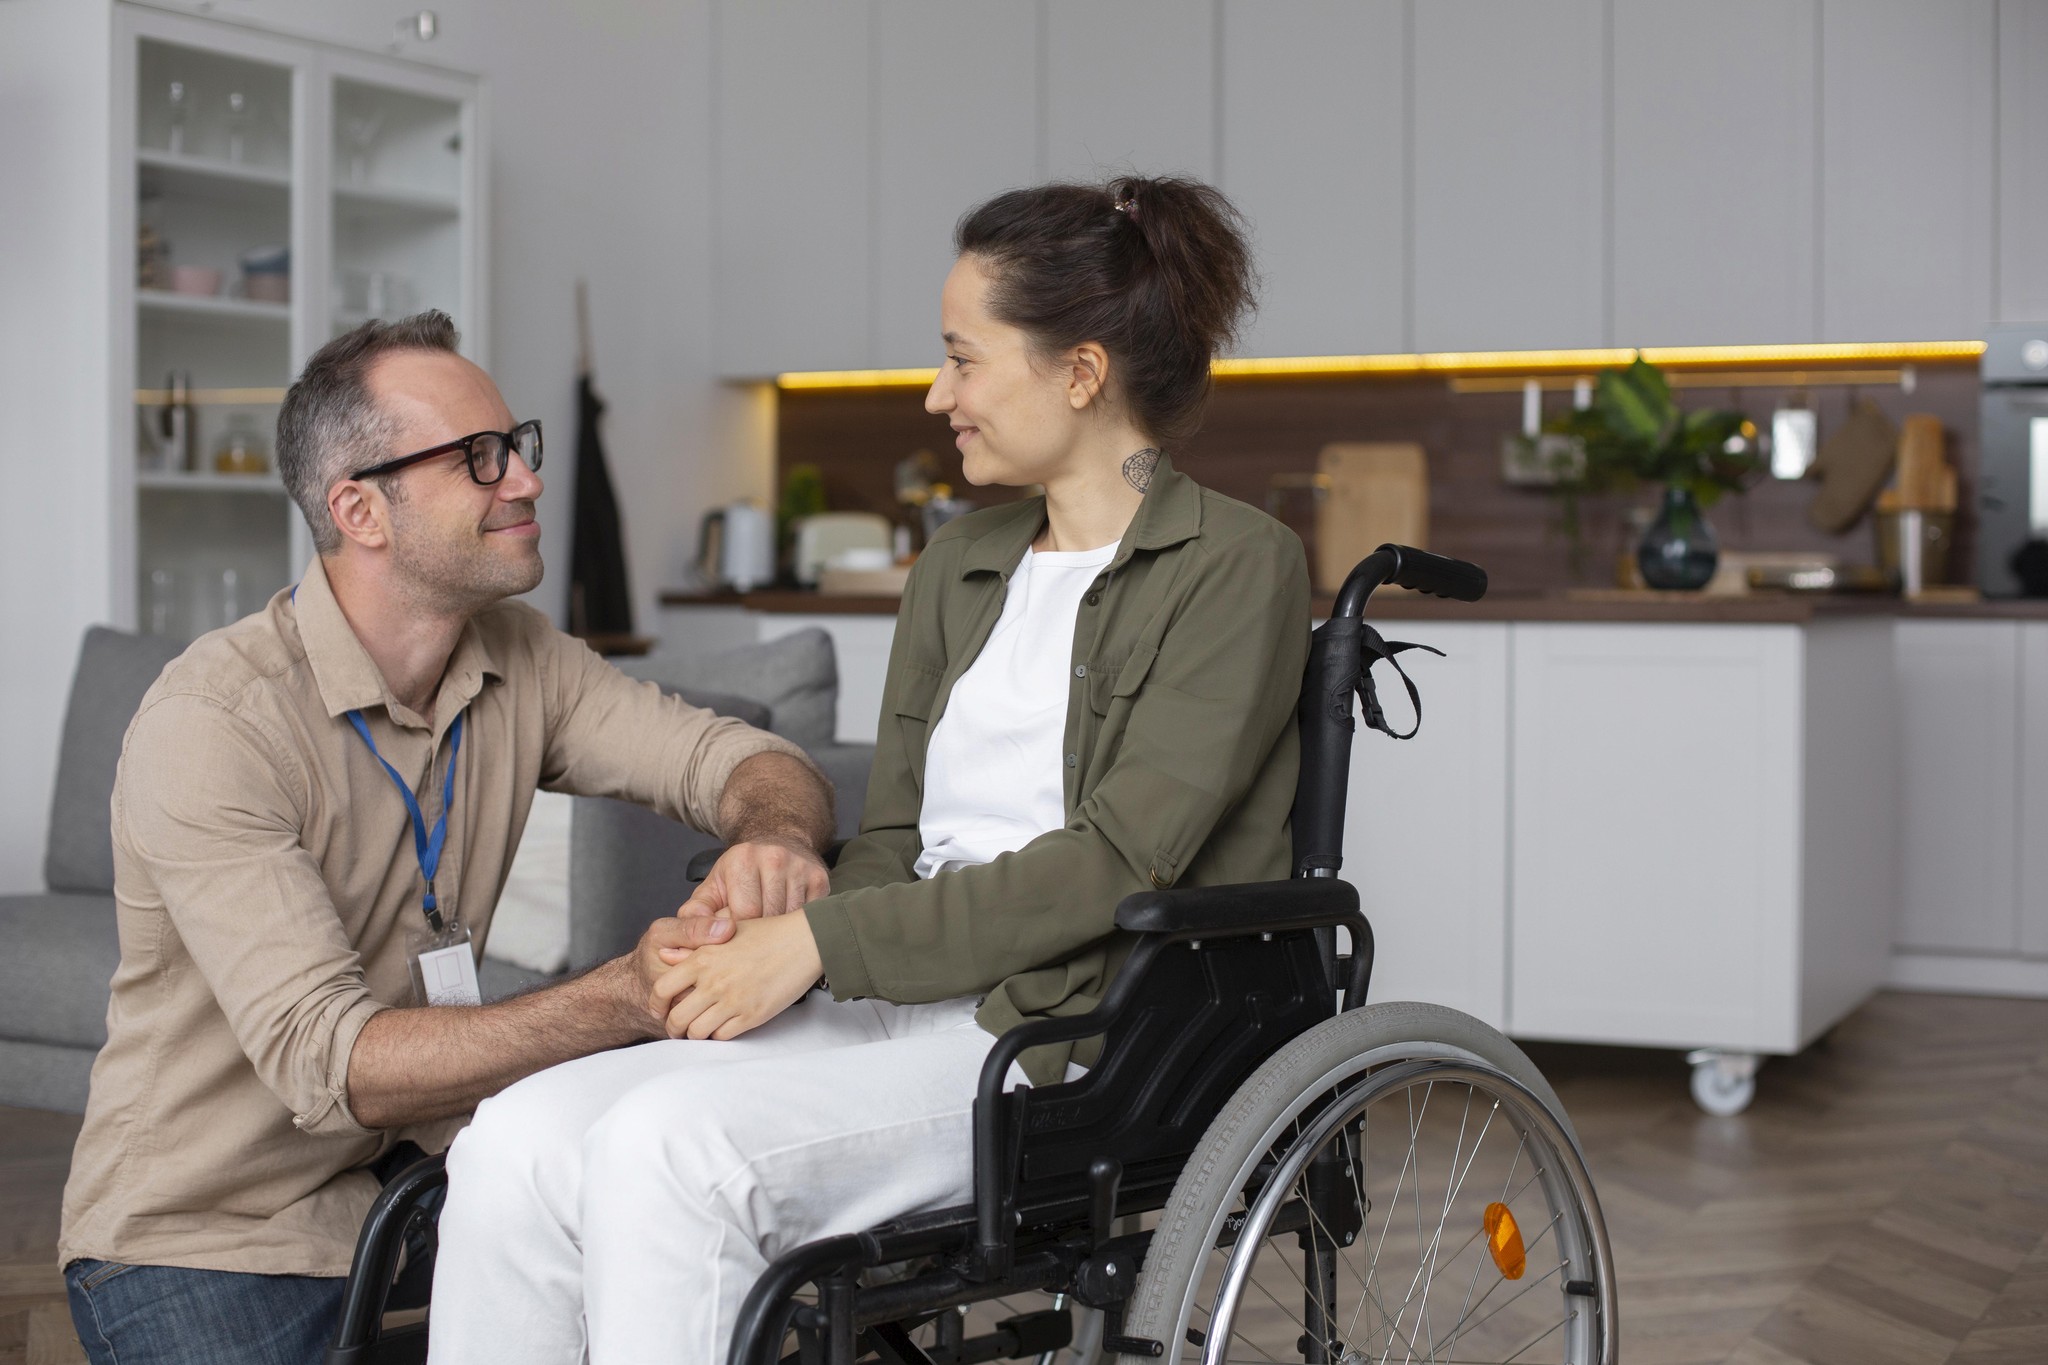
x,y
59,948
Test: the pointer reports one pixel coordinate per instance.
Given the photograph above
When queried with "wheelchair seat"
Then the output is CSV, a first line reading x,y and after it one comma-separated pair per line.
x,y
1239,1178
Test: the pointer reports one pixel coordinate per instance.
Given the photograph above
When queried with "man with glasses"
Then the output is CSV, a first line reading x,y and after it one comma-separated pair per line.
x,y
314,813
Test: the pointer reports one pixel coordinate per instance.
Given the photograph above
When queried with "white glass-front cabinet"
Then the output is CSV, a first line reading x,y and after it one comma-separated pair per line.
x,y
270,194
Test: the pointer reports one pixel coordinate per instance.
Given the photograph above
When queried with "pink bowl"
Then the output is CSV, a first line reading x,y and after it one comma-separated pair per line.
x,y
195,279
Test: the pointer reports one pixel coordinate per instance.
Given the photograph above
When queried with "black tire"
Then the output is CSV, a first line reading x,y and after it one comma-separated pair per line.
x,y
1318,1097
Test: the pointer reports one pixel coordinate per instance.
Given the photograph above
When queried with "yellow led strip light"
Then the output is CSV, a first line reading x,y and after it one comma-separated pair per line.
x,y
1460,363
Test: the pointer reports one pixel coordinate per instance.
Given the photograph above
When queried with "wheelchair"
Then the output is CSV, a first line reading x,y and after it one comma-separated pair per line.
x,y
1260,1168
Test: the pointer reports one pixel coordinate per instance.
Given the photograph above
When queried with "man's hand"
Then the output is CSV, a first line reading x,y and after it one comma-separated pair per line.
x,y
728,989
753,881
667,942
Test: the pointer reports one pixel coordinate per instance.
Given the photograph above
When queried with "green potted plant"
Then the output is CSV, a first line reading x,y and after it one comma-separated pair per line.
x,y
1635,434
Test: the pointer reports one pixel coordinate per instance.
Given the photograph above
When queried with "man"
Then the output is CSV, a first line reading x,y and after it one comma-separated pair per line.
x,y
313,817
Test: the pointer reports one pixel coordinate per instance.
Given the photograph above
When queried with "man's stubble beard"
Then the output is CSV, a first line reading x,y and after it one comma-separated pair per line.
x,y
443,577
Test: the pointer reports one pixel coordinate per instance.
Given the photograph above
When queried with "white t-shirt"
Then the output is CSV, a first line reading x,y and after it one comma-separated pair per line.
x,y
994,773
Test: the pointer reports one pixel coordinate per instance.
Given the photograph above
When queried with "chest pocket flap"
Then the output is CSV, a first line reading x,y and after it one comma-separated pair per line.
x,y
1106,682
918,693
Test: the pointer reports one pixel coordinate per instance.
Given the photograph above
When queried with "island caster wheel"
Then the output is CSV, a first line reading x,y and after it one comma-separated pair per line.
x,y
1723,1083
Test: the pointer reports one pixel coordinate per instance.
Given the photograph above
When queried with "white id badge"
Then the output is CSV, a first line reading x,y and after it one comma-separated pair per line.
x,y
444,968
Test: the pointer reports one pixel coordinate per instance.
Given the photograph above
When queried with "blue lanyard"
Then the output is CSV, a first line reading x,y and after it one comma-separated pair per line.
x,y
428,846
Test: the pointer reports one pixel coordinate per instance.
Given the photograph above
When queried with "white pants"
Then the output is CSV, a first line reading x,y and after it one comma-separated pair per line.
x,y
626,1202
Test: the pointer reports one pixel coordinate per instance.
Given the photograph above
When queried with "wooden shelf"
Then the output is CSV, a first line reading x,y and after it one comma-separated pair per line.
x,y
205,482
395,203
211,306
204,178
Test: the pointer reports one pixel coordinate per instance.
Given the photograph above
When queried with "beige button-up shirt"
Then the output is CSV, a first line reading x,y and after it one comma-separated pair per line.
x,y
267,886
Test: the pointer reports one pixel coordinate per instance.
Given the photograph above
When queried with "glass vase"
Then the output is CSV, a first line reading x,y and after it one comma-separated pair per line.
x,y
1678,552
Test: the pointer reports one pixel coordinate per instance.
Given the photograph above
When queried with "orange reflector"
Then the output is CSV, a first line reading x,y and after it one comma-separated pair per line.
x,y
1504,1240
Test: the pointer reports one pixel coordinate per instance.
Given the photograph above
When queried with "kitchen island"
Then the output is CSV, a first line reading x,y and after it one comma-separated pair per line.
x,y
1714,824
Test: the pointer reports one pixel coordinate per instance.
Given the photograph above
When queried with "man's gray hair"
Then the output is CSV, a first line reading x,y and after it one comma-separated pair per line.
x,y
331,424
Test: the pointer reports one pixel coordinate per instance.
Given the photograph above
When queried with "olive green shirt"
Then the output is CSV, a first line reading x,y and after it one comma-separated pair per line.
x,y
1181,756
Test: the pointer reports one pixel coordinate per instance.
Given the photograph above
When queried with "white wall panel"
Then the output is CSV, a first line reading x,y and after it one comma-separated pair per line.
x,y
956,120
1907,100
1130,86
1314,116
794,276
2022,161
1509,235
1714,152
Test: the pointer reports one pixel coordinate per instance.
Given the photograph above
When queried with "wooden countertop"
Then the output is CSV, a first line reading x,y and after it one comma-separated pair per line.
x,y
1666,608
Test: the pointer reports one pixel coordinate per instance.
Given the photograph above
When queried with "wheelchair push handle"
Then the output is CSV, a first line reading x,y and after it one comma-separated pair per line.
x,y
1407,567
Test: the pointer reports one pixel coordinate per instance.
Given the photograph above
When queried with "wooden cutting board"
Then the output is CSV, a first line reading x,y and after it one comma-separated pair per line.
x,y
1378,491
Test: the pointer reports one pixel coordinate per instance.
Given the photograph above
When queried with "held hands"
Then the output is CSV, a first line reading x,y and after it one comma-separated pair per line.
x,y
727,989
752,880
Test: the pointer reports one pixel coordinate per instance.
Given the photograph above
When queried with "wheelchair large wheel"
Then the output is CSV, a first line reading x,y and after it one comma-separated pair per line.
x,y
1397,1184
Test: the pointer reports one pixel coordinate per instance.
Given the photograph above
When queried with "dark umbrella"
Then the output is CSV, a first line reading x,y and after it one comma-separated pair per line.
x,y
600,601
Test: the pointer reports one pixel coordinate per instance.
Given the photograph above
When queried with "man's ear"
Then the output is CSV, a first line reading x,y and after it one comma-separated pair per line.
x,y
1087,374
360,513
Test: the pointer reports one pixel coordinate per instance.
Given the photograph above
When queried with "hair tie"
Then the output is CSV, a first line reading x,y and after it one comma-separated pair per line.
x,y
1127,207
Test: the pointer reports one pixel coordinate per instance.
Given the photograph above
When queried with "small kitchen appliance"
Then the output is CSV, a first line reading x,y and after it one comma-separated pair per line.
x,y
2012,490
736,547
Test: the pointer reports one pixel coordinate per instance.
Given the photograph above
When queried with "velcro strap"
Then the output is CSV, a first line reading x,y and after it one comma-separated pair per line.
x,y
1372,648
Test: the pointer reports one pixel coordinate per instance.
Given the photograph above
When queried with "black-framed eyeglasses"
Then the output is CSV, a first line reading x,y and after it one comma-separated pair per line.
x,y
489,453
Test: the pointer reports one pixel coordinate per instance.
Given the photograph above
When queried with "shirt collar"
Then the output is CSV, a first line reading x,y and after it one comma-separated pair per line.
x,y
1170,513
349,679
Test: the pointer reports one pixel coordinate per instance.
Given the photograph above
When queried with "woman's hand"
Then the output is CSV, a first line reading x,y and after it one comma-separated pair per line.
x,y
726,989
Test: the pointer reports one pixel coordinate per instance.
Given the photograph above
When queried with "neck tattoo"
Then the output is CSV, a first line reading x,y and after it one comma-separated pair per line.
x,y
1138,468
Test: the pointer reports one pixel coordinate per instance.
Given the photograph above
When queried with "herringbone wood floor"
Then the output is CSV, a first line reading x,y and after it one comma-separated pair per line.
x,y
1885,1202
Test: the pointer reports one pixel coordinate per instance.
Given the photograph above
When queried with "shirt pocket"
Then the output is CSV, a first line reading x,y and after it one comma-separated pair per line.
x,y
1107,682
916,698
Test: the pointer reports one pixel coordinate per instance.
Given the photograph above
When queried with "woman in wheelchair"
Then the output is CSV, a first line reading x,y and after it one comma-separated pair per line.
x,y
1091,693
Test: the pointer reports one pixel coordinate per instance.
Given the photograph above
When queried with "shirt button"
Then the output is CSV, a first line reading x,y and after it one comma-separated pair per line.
x,y
1094,599
1070,760
1080,670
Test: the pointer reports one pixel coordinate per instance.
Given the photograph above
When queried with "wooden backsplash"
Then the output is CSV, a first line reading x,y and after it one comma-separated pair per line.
x,y
1258,428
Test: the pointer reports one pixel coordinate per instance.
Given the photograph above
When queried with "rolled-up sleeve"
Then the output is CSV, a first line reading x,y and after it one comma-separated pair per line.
x,y
610,735
205,802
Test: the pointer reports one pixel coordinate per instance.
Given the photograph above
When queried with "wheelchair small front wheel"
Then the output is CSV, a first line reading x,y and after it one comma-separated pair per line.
x,y
1397,1184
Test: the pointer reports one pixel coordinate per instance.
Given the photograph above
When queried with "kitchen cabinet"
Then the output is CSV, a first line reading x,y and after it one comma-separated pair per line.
x,y
1129,87
1908,138
360,179
794,285
2022,169
1314,129
1959,838
1702,850
1509,243
1425,823
1714,150
937,154
2033,805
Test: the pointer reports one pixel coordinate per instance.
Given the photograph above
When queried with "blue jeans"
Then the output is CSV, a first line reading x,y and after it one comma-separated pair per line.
x,y
172,1315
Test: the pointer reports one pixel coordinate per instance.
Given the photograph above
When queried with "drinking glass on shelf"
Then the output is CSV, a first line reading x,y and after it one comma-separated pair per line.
x,y
163,600
238,125
359,131
180,100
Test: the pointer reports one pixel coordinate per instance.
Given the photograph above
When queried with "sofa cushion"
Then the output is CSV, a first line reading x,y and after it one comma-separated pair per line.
x,y
796,677
57,967
115,669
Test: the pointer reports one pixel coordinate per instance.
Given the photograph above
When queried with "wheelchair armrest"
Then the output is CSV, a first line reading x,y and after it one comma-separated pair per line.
x,y
1250,908
702,863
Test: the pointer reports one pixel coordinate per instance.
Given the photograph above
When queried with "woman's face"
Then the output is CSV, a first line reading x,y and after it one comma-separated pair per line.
x,y
1013,420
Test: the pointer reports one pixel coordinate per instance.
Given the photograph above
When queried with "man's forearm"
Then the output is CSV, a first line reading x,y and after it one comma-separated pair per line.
x,y
775,798
416,1065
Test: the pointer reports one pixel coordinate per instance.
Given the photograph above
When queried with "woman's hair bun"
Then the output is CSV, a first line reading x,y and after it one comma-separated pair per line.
x,y
1155,269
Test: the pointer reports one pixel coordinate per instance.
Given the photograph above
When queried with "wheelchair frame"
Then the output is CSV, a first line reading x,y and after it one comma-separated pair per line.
x,y
1220,979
